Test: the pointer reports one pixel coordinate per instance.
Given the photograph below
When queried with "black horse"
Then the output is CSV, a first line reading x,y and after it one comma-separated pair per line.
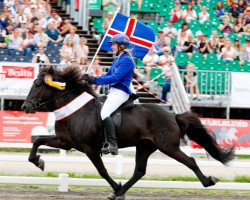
x,y
148,127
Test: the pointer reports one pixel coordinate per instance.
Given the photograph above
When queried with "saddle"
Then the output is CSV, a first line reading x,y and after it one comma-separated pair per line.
x,y
117,115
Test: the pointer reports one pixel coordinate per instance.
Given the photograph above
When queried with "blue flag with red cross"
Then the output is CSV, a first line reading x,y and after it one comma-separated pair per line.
x,y
142,37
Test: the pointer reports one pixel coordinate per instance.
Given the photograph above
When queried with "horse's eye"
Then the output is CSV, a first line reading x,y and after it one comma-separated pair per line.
x,y
37,82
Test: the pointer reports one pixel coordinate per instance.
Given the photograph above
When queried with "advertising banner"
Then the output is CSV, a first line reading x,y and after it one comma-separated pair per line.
x,y
240,90
228,132
17,78
16,126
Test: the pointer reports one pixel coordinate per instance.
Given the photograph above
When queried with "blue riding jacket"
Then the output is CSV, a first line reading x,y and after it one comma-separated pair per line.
x,y
119,74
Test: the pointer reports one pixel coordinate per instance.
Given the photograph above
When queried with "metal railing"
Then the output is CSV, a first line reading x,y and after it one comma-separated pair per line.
x,y
213,85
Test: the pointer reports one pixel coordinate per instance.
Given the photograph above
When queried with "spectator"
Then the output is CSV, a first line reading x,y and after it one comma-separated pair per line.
x,y
189,45
3,44
204,15
226,27
109,5
29,44
176,12
84,61
184,28
189,14
237,46
8,31
107,21
213,41
97,71
150,60
170,32
239,26
220,10
160,42
53,33
220,45
15,42
248,45
22,30
65,61
41,57
204,47
247,29
166,60
180,41
73,36
41,37
167,85
234,11
21,17
191,81
68,50
242,6
33,25
66,26
199,36
228,52
57,20
3,21
42,21
244,55
247,15
81,49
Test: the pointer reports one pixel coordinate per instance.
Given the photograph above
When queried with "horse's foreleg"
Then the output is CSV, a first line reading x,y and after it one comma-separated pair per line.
x,y
143,151
51,141
178,155
95,158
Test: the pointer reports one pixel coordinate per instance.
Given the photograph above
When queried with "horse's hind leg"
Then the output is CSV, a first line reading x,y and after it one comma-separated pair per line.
x,y
190,162
51,141
143,151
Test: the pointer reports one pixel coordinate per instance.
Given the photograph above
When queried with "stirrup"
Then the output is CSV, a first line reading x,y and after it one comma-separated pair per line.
x,y
106,149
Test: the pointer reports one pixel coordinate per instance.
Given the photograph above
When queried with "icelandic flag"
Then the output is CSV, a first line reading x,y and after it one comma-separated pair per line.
x,y
141,36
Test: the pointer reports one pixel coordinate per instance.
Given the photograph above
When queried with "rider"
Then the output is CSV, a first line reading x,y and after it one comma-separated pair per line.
x,y
119,78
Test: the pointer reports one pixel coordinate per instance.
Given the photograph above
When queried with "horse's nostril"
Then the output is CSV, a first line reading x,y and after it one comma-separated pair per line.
x,y
24,107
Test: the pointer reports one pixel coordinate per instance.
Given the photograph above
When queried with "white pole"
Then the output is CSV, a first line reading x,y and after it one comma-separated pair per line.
x,y
91,63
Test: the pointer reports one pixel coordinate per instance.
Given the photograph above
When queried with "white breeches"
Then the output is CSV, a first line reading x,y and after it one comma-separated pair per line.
x,y
114,100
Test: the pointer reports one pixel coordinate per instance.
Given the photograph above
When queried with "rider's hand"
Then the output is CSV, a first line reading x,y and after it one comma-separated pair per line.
x,y
89,78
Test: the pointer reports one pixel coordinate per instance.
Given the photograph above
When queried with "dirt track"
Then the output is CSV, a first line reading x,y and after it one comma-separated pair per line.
x,y
32,194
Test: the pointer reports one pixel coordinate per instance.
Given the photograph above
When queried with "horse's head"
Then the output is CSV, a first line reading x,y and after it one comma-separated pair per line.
x,y
43,89
50,85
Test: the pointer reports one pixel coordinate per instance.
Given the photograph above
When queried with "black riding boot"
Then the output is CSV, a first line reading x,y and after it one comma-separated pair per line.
x,y
111,145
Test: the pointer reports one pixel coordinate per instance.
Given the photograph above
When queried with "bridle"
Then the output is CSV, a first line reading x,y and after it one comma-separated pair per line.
x,y
37,103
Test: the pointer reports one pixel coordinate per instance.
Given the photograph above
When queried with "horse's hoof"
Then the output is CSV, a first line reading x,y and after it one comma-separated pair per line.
x,y
120,197
111,196
214,180
41,164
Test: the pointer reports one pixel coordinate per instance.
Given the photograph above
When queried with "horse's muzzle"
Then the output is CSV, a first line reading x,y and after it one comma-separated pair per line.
x,y
28,107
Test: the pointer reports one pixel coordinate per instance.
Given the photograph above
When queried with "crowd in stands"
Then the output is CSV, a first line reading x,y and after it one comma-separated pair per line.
x,y
33,30
218,31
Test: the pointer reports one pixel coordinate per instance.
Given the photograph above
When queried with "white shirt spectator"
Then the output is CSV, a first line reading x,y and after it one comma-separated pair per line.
x,y
168,60
203,17
230,53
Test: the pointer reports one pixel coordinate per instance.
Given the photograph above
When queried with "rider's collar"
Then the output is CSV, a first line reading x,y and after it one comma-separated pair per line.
x,y
73,106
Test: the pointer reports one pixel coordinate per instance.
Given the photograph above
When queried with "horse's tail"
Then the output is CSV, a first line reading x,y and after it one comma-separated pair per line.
x,y
190,125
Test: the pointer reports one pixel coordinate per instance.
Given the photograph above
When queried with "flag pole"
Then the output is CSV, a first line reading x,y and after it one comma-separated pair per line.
x,y
99,47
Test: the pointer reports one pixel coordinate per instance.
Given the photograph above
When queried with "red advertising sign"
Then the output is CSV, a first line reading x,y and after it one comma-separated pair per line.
x,y
18,72
16,126
228,132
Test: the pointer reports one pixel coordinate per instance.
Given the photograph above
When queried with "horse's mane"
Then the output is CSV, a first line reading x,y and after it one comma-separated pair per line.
x,y
73,75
